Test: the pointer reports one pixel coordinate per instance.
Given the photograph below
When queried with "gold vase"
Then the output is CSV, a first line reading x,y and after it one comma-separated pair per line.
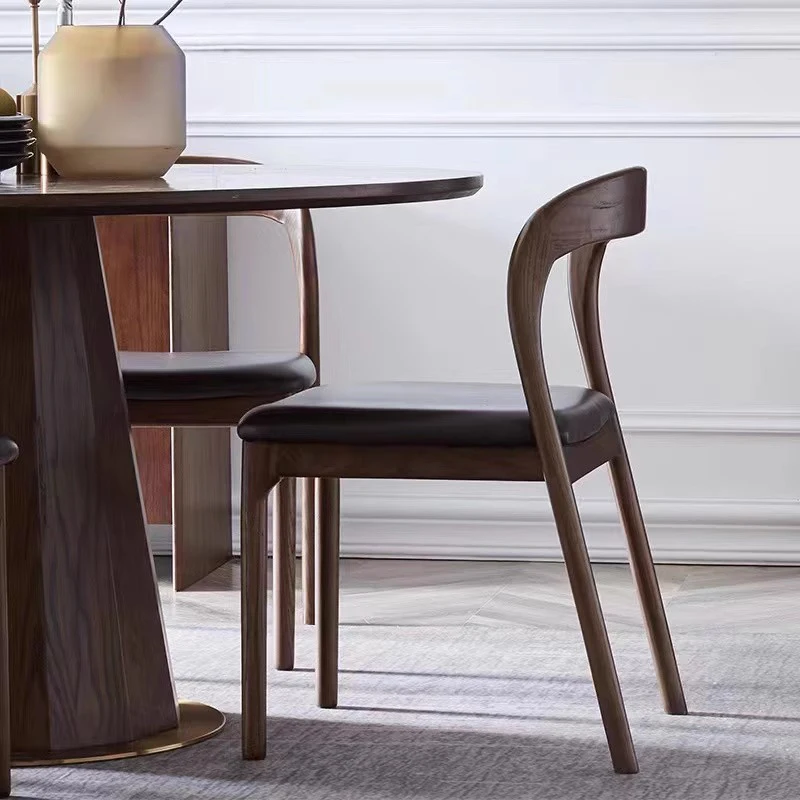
x,y
112,101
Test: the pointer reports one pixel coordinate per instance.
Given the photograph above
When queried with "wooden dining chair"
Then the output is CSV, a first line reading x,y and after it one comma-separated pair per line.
x,y
214,389
527,432
8,453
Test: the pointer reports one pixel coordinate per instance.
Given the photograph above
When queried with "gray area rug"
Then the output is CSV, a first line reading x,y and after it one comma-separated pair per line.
x,y
467,712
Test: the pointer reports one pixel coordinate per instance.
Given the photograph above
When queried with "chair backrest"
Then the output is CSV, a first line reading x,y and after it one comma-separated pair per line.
x,y
580,222
300,230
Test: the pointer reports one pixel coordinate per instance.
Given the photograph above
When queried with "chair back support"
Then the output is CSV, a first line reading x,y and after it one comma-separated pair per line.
x,y
580,222
300,230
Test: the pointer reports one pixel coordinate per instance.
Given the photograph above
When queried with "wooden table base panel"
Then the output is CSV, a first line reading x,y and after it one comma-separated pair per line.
x,y
202,456
89,664
202,503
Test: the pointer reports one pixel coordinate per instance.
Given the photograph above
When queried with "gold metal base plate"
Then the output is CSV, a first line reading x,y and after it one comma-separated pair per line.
x,y
196,722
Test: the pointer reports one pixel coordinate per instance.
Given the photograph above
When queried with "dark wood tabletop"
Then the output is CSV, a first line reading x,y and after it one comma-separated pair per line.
x,y
232,188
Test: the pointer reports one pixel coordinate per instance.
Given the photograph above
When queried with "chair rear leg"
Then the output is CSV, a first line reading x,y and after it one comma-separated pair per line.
x,y
593,627
5,711
284,560
257,481
327,591
644,575
307,504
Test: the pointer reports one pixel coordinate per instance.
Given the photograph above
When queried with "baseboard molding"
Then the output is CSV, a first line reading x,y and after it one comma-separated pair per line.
x,y
160,538
485,527
706,532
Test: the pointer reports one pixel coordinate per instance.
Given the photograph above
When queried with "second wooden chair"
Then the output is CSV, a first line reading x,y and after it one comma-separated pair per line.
x,y
214,389
527,432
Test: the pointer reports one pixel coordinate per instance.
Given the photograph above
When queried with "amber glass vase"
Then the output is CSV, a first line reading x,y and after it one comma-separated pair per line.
x,y
112,101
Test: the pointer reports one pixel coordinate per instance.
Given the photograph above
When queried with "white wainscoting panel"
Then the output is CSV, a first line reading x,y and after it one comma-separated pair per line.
x,y
700,313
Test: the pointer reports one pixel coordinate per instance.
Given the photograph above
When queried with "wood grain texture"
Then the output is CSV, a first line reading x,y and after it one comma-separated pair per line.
x,y
308,515
327,591
439,463
136,260
5,698
258,479
88,662
284,565
202,503
584,282
202,460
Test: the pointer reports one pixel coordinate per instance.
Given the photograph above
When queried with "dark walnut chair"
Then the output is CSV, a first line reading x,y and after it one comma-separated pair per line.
x,y
214,389
8,453
529,432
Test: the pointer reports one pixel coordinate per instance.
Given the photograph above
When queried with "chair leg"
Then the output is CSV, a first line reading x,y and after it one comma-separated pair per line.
x,y
5,711
308,515
284,559
593,627
644,575
257,481
327,591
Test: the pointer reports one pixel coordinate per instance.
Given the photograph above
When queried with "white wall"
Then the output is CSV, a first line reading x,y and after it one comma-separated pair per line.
x,y
701,323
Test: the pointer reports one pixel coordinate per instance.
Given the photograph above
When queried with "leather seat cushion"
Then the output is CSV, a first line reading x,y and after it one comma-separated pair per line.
x,y
8,451
449,414
215,375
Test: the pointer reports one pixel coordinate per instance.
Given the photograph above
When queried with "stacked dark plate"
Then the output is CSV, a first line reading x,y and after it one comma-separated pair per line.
x,y
16,138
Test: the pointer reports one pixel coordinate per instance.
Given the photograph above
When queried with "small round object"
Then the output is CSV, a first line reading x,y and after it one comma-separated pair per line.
x,y
8,105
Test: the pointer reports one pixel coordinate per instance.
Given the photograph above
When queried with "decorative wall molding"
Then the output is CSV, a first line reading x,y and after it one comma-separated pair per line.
x,y
351,25
719,126
710,422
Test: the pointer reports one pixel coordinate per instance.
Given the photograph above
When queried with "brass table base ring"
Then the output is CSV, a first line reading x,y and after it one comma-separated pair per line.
x,y
197,722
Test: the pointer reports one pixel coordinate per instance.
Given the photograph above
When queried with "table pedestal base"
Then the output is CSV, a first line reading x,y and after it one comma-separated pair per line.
x,y
88,659
197,722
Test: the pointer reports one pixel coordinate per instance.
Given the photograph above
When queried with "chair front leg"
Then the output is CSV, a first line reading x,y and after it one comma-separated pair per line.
x,y
327,591
644,575
308,517
257,482
593,627
284,560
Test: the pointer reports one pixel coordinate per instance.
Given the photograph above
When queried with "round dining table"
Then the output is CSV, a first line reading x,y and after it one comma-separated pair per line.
x,y
90,675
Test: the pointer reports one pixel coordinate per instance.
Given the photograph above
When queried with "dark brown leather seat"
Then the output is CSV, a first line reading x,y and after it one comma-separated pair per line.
x,y
214,375
8,451
449,414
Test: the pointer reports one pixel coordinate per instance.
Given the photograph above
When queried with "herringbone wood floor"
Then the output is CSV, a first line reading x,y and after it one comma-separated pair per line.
x,y
388,592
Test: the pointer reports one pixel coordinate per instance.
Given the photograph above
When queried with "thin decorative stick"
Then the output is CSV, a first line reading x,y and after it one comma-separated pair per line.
x,y
34,4
121,20
167,12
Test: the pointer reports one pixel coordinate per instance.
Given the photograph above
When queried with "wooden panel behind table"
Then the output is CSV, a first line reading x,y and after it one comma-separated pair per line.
x,y
202,475
136,258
